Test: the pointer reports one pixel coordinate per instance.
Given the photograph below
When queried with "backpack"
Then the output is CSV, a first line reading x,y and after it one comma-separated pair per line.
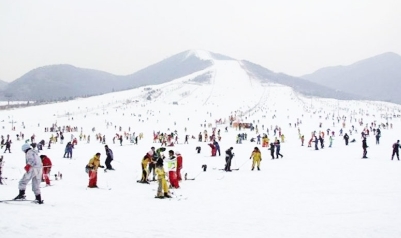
x,y
87,168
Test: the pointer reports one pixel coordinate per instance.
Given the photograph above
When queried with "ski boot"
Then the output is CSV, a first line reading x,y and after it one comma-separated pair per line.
x,y
159,196
38,199
21,195
166,195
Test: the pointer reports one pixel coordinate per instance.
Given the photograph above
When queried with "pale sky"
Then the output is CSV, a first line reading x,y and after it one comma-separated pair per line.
x,y
121,37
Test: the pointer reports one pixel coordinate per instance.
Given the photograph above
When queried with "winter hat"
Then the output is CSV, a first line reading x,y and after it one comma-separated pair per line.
x,y
150,153
25,147
177,153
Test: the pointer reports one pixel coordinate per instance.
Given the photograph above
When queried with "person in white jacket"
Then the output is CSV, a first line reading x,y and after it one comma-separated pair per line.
x,y
33,170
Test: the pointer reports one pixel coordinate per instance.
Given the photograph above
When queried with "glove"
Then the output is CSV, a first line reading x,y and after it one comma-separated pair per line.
x,y
27,167
101,166
250,157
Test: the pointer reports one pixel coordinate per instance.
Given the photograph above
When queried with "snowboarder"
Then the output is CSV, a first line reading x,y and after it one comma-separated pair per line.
x,y
257,157
94,164
33,170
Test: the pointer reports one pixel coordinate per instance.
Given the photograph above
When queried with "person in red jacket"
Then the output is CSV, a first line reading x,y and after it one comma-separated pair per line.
x,y
179,165
47,166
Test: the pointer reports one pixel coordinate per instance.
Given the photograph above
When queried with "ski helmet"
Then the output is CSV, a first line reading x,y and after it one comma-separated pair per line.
x,y
25,147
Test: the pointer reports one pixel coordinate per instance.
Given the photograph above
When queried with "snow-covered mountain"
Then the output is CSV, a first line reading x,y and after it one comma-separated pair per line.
x,y
330,192
376,78
197,67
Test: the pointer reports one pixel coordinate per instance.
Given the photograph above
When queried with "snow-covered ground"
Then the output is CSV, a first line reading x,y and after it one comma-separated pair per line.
x,y
331,192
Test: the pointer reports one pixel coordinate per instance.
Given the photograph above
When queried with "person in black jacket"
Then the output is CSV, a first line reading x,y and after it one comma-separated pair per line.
x,y
364,147
346,138
109,158
272,147
396,146
229,157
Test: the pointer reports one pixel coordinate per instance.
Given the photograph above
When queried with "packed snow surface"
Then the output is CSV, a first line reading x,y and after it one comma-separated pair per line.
x,y
330,192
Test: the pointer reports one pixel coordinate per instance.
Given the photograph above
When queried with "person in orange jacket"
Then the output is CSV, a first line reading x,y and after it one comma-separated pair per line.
x,y
94,164
47,166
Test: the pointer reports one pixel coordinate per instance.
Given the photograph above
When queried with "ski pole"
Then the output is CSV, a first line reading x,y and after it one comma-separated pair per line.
x,y
242,164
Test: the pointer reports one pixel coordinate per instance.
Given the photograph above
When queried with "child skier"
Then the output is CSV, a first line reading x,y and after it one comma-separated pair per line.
x,y
47,165
161,178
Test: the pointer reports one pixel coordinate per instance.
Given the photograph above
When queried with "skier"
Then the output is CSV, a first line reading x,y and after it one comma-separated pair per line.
x,y
161,178
316,143
217,146
8,146
1,166
152,166
33,170
396,146
378,134
109,158
47,166
257,157
94,164
213,147
272,147
144,163
179,165
68,150
364,147
172,166
277,144
229,157
346,138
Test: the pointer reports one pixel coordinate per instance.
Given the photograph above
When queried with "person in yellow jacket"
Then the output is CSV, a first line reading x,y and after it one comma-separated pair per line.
x,y
257,157
161,179
94,164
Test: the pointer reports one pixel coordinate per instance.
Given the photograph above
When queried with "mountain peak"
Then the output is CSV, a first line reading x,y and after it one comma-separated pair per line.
x,y
201,54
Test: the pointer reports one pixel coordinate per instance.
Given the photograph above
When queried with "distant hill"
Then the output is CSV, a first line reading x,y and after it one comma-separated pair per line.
x,y
300,85
3,84
60,82
376,78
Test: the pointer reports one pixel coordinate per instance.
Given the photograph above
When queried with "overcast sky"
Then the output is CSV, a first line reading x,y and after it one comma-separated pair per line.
x,y
291,36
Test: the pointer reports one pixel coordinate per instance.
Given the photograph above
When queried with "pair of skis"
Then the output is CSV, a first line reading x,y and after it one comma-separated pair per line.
x,y
21,200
